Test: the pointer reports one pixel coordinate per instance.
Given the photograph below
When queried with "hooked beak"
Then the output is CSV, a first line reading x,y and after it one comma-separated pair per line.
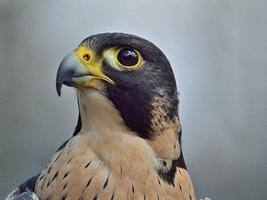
x,y
73,73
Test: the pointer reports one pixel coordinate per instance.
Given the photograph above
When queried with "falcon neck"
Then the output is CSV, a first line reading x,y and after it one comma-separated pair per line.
x,y
98,114
107,135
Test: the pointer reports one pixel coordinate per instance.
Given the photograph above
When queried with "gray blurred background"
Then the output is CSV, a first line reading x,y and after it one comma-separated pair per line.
x,y
218,50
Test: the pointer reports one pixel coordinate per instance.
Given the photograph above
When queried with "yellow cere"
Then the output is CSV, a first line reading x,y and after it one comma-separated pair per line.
x,y
82,52
88,59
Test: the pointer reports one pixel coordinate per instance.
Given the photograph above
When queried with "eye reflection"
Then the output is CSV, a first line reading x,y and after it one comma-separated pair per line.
x,y
128,57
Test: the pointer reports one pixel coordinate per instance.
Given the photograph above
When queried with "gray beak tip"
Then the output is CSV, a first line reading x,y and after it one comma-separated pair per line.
x,y
59,86
68,68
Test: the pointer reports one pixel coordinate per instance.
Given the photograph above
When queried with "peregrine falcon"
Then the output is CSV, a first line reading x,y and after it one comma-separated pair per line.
x,y
127,142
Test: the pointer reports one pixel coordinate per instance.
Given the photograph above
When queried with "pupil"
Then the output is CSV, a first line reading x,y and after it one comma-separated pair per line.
x,y
128,57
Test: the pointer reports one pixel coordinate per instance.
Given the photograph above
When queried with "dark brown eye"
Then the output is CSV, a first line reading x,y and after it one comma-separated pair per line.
x,y
128,57
86,57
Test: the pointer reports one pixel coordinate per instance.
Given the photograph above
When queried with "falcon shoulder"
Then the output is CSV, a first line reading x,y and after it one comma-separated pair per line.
x,y
22,192
27,186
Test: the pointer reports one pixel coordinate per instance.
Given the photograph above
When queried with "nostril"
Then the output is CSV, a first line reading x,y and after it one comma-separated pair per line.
x,y
86,57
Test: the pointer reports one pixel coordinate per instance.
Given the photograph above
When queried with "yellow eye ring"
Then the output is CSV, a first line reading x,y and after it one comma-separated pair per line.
x,y
128,58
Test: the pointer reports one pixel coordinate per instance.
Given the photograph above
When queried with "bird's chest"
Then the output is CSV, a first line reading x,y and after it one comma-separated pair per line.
x,y
77,173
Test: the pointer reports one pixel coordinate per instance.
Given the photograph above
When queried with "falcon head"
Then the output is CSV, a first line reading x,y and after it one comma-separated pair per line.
x,y
130,72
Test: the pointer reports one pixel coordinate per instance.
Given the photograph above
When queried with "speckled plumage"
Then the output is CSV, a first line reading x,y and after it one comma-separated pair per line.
x,y
127,144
